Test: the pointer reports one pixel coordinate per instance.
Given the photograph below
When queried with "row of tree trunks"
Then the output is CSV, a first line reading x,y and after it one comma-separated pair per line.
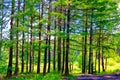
x,y
99,54
30,50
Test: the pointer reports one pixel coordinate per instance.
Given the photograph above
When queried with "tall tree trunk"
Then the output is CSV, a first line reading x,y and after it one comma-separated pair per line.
x,y
96,60
90,70
9,71
83,49
83,53
85,45
67,43
103,67
17,44
33,52
59,41
23,39
31,44
49,24
63,63
40,28
27,51
45,55
54,59
99,44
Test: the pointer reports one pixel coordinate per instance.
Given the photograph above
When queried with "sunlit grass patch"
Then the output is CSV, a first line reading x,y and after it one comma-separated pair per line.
x,y
52,76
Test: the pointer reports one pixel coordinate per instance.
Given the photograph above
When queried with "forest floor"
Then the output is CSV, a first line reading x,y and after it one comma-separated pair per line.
x,y
115,76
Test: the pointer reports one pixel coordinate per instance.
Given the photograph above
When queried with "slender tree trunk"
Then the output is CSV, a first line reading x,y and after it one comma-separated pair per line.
x,y
45,56
63,63
96,60
45,53
49,24
9,71
27,51
40,28
23,39
54,59
67,43
85,45
59,41
83,49
83,53
33,56
17,44
22,67
99,56
103,67
90,71
31,44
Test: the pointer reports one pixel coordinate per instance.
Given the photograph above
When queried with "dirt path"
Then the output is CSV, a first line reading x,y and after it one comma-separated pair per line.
x,y
115,76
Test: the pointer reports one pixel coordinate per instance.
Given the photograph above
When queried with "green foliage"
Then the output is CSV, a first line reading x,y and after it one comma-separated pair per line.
x,y
80,60
58,15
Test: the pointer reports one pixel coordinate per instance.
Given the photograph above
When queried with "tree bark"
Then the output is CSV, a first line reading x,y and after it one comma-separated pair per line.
x,y
54,59
63,63
85,45
67,43
17,44
90,70
40,29
23,39
83,49
9,71
27,52
31,44
49,36
45,55
103,67
59,41
99,44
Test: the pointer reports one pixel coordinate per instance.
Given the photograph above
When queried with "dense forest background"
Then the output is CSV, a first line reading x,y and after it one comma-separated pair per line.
x,y
64,37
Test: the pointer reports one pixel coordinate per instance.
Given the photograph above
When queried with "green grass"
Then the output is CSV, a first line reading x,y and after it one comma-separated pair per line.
x,y
32,76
